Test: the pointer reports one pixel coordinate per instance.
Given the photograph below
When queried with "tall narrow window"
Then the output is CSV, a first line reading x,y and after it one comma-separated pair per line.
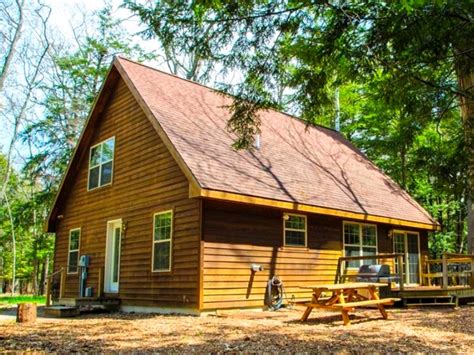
x,y
73,254
101,161
360,240
295,230
162,239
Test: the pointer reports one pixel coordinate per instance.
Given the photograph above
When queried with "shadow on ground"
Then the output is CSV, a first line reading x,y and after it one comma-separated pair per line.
x,y
405,331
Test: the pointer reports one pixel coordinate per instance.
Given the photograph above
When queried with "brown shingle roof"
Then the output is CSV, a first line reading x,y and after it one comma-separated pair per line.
x,y
308,165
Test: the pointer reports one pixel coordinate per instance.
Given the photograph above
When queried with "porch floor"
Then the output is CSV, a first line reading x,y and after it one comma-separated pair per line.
x,y
430,288
418,294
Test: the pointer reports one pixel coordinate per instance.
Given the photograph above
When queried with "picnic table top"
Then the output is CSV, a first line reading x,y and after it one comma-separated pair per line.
x,y
345,286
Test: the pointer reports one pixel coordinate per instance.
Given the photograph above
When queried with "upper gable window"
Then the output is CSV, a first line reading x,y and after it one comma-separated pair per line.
x,y
101,161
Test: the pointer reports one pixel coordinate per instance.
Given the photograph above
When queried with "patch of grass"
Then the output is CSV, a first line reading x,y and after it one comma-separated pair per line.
x,y
11,300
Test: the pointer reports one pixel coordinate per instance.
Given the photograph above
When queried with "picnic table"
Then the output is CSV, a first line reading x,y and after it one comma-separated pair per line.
x,y
346,297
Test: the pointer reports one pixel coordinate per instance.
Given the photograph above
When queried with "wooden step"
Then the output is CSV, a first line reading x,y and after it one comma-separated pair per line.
x,y
61,311
422,297
89,301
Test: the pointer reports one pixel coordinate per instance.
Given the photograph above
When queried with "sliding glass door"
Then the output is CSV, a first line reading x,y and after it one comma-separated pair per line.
x,y
408,244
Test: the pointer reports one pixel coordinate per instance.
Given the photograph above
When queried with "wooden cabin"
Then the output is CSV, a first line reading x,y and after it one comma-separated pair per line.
x,y
171,217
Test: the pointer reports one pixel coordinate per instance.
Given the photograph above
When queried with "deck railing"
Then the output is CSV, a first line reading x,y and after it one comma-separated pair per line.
x,y
450,270
58,280
50,281
454,269
341,271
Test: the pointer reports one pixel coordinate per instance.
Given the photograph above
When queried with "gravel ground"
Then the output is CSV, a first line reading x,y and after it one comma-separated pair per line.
x,y
407,330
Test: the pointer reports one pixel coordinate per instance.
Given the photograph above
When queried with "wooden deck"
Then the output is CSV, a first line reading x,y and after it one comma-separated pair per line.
x,y
411,289
433,295
445,281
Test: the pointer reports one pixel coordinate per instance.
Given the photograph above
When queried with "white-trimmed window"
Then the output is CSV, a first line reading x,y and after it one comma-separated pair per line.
x,y
162,241
294,226
359,240
101,161
73,252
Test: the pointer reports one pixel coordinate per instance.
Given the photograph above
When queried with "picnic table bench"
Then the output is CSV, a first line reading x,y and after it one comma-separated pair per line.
x,y
346,297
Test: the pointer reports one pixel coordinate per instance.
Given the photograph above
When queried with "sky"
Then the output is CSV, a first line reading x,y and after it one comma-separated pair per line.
x,y
65,14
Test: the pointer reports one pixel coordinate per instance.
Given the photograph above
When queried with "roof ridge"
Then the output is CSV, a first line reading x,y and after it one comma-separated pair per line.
x,y
172,75
299,119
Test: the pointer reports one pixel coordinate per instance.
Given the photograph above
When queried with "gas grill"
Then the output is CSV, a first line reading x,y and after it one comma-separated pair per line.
x,y
375,273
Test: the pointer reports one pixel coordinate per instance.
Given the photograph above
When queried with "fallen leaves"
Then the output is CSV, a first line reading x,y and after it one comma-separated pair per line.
x,y
411,330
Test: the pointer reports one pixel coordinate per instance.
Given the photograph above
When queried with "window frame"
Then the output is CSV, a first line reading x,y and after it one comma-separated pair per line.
x,y
69,251
295,230
170,240
360,245
100,165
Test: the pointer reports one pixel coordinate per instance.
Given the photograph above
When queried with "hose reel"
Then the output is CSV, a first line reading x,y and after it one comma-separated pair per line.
x,y
274,295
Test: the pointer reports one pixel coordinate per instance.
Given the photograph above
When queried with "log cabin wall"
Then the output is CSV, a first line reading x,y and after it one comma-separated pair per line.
x,y
236,236
146,180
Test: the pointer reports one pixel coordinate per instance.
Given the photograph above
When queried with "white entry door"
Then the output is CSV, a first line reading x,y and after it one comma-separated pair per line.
x,y
112,256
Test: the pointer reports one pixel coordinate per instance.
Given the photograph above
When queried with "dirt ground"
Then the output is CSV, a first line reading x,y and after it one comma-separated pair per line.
x,y
407,330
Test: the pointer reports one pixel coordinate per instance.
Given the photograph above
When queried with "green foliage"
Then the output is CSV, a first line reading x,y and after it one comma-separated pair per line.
x,y
190,40
11,300
311,48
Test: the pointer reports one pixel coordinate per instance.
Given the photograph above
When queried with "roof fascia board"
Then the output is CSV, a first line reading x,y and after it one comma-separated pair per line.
x,y
253,200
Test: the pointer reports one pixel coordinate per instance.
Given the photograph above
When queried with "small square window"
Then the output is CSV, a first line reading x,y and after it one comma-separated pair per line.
x,y
295,230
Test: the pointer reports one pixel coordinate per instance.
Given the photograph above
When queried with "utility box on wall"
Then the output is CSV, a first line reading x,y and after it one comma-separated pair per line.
x,y
88,292
84,261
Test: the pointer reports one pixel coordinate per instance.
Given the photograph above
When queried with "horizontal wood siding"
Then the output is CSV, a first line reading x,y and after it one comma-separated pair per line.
x,y
146,180
236,236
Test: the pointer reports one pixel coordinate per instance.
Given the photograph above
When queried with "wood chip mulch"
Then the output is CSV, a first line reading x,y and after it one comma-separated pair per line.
x,y
407,330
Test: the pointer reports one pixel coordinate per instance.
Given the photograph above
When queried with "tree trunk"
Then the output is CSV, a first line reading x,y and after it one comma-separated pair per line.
x,y
26,313
35,275
11,48
460,232
44,275
403,163
12,227
470,226
465,75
